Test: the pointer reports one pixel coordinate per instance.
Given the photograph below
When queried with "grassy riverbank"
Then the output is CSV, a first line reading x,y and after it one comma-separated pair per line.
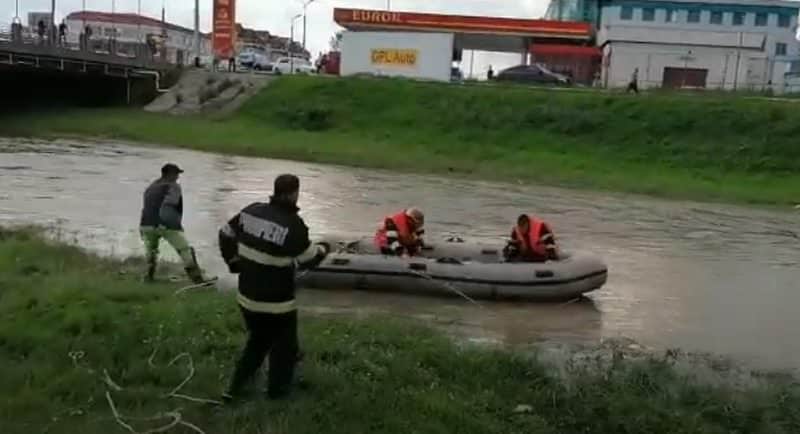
x,y
74,327
702,147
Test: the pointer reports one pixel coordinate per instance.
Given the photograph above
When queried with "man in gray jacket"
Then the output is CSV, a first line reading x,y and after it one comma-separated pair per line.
x,y
162,213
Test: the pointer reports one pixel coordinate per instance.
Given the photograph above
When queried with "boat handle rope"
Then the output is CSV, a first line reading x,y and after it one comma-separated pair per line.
x,y
447,286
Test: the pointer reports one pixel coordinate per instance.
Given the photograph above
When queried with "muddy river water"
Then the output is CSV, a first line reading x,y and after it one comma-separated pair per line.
x,y
707,277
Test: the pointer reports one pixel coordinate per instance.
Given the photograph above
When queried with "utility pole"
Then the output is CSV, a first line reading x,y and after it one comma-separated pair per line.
x,y
85,44
52,29
113,24
196,31
305,6
291,42
139,22
388,5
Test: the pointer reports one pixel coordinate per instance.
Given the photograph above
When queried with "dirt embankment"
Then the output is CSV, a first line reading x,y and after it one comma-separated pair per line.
x,y
200,91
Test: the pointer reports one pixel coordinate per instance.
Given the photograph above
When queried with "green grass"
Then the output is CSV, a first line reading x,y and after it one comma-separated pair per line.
x,y
66,317
713,147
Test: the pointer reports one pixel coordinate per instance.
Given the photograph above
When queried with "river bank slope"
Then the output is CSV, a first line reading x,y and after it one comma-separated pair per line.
x,y
709,147
81,338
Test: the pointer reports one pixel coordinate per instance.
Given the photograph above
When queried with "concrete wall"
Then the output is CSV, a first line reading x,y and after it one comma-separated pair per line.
x,y
755,68
434,54
721,48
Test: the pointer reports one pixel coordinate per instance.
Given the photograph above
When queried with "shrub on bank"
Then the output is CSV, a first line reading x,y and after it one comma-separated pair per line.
x,y
697,132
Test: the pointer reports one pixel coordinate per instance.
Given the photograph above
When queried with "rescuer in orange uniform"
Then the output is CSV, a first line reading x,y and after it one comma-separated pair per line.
x,y
401,234
532,240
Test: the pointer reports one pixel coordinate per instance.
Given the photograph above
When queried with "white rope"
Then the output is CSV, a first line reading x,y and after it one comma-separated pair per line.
x,y
574,300
180,291
174,393
188,377
193,427
193,399
174,415
107,379
448,286
344,247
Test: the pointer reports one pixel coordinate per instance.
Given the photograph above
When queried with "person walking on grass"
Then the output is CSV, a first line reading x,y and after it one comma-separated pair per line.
x,y
162,213
633,86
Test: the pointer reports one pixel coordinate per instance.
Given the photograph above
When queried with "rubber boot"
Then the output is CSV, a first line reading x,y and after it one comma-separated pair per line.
x,y
150,277
299,379
195,275
193,271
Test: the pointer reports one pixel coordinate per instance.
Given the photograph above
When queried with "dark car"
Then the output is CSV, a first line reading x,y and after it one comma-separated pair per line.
x,y
534,74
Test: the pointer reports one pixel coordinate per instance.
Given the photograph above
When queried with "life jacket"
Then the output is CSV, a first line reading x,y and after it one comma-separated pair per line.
x,y
530,244
405,234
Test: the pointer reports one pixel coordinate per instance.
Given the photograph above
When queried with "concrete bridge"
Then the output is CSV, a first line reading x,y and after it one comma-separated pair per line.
x,y
31,60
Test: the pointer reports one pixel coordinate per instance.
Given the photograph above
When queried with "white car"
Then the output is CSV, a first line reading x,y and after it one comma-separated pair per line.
x,y
295,65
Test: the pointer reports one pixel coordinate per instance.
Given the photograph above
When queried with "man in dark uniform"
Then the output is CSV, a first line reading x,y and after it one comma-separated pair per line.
x,y
162,213
264,244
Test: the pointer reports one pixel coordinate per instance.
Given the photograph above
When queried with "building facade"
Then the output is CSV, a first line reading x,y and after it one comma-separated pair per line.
x,y
129,31
715,44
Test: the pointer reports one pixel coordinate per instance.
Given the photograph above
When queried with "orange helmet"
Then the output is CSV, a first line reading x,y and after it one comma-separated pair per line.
x,y
416,216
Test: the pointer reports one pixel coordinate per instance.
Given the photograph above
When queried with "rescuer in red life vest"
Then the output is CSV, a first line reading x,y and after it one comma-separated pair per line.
x,y
532,240
401,234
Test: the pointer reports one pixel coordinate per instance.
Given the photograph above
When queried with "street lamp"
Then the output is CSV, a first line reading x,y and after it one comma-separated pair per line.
x,y
113,23
305,5
291,42
52,30
139,24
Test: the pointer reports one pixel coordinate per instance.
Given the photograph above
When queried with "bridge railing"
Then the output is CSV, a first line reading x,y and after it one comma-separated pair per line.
x,y
19,36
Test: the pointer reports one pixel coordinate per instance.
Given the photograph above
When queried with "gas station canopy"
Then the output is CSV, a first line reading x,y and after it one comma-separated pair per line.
x,y
471,32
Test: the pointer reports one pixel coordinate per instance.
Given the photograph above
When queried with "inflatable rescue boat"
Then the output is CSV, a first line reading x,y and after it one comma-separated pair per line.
x,y
452,267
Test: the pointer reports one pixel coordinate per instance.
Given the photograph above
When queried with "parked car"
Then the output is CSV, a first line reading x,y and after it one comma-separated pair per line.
x,y
254,60
535,73
284,65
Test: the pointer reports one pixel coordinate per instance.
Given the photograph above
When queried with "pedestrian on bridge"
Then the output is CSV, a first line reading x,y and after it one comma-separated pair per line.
x,y
40,30
62,33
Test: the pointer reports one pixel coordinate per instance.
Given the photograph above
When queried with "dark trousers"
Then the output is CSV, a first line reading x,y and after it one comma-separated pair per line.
x,y
273,334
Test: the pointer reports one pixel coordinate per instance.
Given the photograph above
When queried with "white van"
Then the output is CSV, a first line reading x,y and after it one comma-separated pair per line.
x,y
296,65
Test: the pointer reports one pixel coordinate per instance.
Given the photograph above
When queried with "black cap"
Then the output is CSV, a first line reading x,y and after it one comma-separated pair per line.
x,y
170,168
286,185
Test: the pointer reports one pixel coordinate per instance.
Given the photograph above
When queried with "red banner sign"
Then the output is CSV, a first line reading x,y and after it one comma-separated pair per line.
x,y
224,38
548,29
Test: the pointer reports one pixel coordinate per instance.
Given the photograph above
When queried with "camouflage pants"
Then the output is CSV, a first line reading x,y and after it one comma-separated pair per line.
x,y
151,236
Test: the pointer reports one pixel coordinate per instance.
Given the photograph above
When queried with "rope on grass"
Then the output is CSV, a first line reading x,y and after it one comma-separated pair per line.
x,y
192,427
174,415
107,379
180,291
188,377
174,392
